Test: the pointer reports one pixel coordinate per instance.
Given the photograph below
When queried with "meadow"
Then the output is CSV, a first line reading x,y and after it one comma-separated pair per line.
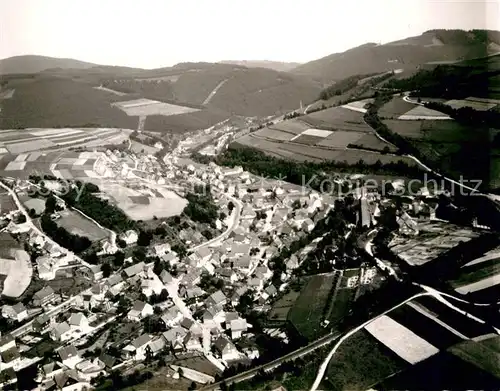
x,y
76,224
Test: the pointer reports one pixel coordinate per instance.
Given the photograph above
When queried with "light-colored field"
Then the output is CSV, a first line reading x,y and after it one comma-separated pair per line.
x,y
480,106
274,134
293,126
405,343
479,285
7,94
340,139
359,106
141,204
336,118
75,223
110,90
18,271
421,112
145,107
317,132
18,141
138,147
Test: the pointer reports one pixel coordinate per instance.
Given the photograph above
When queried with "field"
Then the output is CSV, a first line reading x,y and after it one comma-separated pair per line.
x,y
137,147
421,112
7,94
67,165
360,362
470,102
323,135
143,204
425,324
443,371
395,108
477,277
7,203
359,106
337,118
482,354
18,271
27,140
464,325
402,341
145,107
282,307
78,225
307,313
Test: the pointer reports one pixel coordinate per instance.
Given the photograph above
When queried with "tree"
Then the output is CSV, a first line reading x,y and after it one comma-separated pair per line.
x,y
192,386
230,206
119,259
50,204
144,238
21,219
121,243
106,270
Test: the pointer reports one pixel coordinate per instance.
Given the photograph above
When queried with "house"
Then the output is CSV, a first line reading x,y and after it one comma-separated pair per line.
x,y
129,237
151,284
7,342
138,347
227,274
203,254
194,292
139,311
41,323
263,272
170,257
292,263
78,320
214,313
174,335
166,277
248,213
192,342
61,332
17,312
256,283
237,327
113,280
187,323
270,291
11,358
235,298
44,296
156,346
226,349
244,263
240,249
69,356
133,270
216,298
307,225
171,317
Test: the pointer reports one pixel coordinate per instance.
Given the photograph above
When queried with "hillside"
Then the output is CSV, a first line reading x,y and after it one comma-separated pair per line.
x,y
410,53
274,65
35,64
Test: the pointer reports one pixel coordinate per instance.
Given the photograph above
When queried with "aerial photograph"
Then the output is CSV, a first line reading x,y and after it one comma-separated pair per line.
x,y
249,195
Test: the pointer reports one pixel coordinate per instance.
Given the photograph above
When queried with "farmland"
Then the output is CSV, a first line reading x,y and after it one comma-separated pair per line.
x,y
402,341
443,371
482,354
145,107
307,313
19,141
18,271
477,277
323,135
360,362
421,112
142,203
76,224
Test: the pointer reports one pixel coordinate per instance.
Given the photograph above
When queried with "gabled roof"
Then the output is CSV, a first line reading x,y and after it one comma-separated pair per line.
x,y
76,319
238,325
10,354
218,297
174,333
222,343
68,352
108,360
203,252
139,306
134,269
18,308
141,341
114,279
43,293
166,277
61,328
187,323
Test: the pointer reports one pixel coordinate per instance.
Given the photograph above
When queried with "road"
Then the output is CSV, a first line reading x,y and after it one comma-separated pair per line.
x,y
236,220
214,91
327,339
324,365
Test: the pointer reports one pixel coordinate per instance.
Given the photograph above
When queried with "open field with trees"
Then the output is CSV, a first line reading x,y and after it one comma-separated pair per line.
x,y
360,362
76,224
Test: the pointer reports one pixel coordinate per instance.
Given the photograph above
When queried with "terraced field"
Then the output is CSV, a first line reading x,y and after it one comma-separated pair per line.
x,y
337,133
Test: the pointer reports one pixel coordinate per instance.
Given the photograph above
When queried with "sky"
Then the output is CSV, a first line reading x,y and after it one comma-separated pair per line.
x,y
158,33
